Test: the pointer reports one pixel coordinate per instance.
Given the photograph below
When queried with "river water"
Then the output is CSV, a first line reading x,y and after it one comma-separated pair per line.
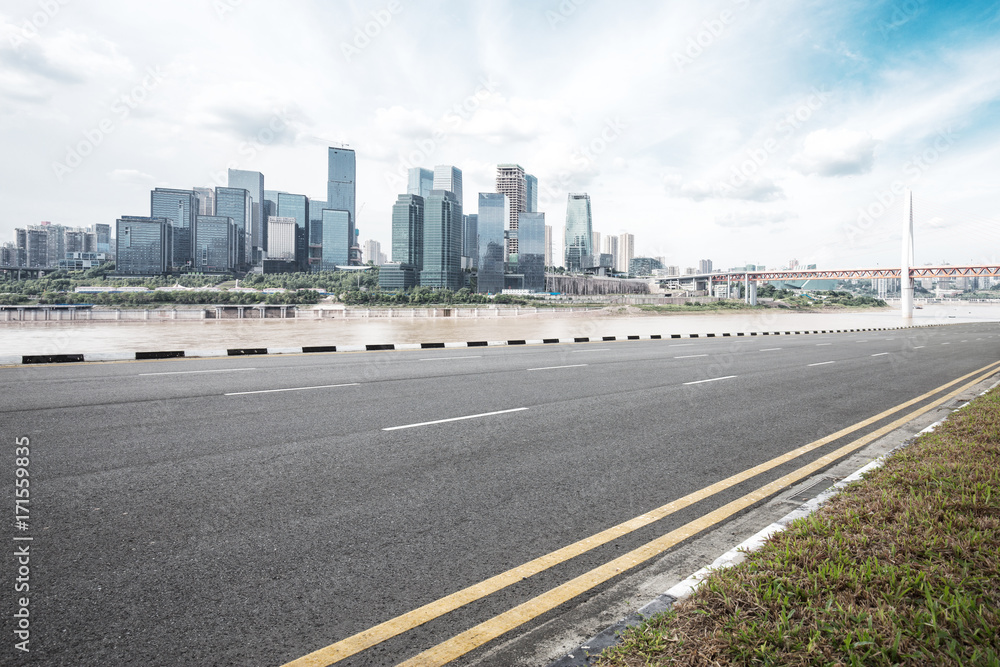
x,y
17,338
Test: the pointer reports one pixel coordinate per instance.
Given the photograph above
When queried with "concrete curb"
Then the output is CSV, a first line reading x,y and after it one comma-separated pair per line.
x,y
28,359
587,653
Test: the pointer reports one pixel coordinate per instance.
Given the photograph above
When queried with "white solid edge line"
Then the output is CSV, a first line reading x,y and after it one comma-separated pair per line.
x,y
691,356
770,349
218,370
600,349
552,368
452,419
725,377
823,363
880,354
449,358
272,391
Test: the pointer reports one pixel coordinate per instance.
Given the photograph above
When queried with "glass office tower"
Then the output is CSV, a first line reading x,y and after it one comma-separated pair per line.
x,y
449,179
442,260
408,231
315,254
531,256
420,182
336,250
144,245
215,244
253,182
494,209
235,203
340,187
579,232
180,207
297,206
470,241
531,193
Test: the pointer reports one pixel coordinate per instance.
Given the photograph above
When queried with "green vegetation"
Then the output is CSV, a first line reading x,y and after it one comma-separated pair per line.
x,y
425,296
901,568
694,306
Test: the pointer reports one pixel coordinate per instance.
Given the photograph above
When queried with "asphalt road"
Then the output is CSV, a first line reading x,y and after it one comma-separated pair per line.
x,y
248,511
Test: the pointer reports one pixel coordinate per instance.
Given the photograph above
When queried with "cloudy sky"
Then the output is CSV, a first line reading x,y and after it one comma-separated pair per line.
x,y
738,130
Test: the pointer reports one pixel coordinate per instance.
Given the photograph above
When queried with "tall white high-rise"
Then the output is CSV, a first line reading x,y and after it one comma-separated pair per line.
x,y
610,247
511,181
448,178
626,251
373,252
595,243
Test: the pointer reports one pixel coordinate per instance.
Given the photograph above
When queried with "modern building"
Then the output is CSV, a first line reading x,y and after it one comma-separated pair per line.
x,y
644,266
315,245
341,193
144,245
206,200
215,242
256,233
548,245
237,204
442,256
704,266
531,193
296,207
396,277
34,247
626,251
102,237
336,250
408,230
579,232
449,179
610,247
420,182
531,255
494,212
595,242
512,182
281,236
180,207
470,241
372,252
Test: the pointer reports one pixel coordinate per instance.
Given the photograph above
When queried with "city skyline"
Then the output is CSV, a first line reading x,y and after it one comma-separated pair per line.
x,y
800,162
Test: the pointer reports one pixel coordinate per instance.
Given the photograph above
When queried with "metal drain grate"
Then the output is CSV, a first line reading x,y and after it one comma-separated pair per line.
x,y
813,490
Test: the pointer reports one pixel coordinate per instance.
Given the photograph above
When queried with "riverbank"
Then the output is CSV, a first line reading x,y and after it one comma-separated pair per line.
x,y
53,337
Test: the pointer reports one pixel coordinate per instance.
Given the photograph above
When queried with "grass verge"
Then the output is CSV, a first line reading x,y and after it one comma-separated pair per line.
x,y
901,568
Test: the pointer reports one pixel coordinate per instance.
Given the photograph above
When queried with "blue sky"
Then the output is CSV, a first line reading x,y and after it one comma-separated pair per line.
x,y
739,131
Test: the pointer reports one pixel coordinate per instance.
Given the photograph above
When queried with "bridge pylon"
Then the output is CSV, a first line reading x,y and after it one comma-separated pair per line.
x,y
905,279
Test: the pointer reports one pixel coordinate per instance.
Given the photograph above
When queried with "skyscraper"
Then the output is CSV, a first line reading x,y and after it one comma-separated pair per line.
x,y
470,241
281,233
512,182
180,207
297,207
442,260
408,231
449,179
531,193
256,233
315,244
336,249
372,252
610,247
626,252
215,243
144,245
420,182
531,255
206,200
494,211
340,188
579,232
548,245
236,203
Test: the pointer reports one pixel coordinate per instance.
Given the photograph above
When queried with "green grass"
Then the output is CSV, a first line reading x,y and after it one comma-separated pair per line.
x,y
901,568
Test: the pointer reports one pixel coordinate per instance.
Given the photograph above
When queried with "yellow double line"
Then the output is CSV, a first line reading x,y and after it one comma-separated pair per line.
x,y
466,641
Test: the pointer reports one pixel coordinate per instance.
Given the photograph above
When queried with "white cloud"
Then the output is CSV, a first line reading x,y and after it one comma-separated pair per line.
x,y
839,152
